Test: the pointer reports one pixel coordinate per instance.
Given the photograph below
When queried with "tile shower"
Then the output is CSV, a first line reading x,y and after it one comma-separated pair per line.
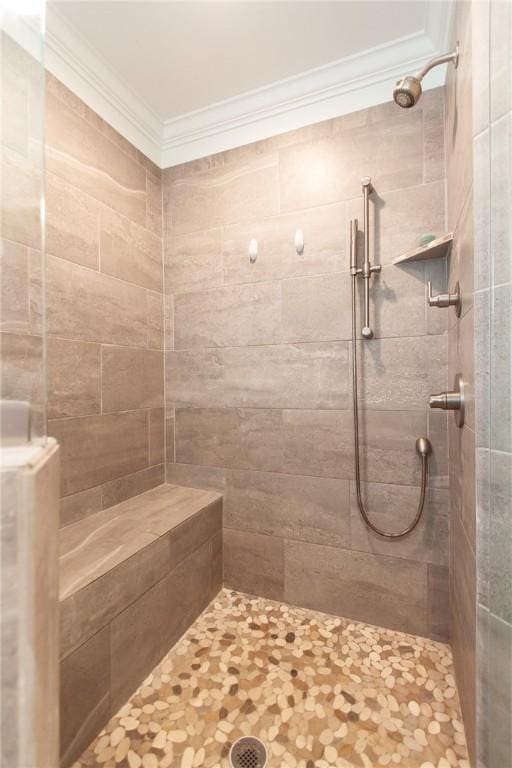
x,y
217,579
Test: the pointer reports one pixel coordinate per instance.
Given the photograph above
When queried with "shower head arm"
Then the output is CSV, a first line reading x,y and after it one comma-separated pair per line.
x,y
444,59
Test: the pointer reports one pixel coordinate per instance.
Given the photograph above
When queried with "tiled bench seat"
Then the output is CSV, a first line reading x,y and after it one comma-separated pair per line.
x,y
132,579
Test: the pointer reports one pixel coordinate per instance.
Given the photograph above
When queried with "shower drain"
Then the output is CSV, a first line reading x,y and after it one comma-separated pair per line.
x,y
248,752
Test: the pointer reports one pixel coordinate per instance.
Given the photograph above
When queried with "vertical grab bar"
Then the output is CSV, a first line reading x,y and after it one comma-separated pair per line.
x,y
367,269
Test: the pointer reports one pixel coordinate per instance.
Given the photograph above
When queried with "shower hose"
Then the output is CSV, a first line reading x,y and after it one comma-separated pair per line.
x,y
424,457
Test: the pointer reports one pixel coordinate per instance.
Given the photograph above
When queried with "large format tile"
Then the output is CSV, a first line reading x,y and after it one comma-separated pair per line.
x,y
131,378
330,169
279,376
86,305
129,251
193,262
324,246
72,223
317,308
392,508
463,620
22,186
143,633
366,587
84,157
439,601
95,449
254,563
73,378
399,217
229,316
87,670
401,374
223,194
311,509
230,437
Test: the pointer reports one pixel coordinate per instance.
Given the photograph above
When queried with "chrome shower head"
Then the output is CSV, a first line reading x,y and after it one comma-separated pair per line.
x,y
407,90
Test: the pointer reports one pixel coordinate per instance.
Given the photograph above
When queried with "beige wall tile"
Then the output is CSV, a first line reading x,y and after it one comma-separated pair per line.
x,y
311,509
157,435
73,378
230,437
193,262
231,316
402,373
222,195
330,169
80,505
317,308
129,251
22,186
127,486
146,630
80,154
155,305
131,378
399,217
88,306
433,135
86,670
72,223
324,249
291,376
14,288
95,449
384,590
154,220
439,602
463,620
253,563
392,508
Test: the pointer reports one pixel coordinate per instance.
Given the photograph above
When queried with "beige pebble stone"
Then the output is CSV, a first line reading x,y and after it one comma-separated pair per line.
x,y
122,749
177,736
160,740
326,737
149,760
129,723
187,758
102,744
117,735
134,761
331,755
434,727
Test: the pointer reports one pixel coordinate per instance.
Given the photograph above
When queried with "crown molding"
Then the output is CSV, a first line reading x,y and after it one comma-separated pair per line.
x,y
72,60
347,85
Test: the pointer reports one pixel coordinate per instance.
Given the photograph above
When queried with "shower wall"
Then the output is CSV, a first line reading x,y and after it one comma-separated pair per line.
x,y
458,138
105,308
257,364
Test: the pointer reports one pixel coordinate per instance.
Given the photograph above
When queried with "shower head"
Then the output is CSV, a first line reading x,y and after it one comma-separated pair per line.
x,y
407,90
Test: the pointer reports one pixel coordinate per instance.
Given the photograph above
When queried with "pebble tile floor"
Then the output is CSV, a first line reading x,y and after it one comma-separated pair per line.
x,y
320,691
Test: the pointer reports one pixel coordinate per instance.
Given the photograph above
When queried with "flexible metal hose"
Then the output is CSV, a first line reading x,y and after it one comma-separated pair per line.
x,y
424,457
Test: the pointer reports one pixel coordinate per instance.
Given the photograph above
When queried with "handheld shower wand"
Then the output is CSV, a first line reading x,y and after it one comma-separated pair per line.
x,y
367,269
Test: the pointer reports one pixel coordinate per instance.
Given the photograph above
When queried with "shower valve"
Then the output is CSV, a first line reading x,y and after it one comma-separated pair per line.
x,y
445,299
452,401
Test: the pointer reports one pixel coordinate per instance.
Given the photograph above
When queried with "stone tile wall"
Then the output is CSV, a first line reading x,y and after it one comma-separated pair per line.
x,y
104,308
258,386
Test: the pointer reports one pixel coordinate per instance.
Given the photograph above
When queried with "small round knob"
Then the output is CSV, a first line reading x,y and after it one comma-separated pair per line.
x,y
367,333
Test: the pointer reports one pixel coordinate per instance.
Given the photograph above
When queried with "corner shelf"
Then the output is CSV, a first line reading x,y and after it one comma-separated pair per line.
x,y
436,249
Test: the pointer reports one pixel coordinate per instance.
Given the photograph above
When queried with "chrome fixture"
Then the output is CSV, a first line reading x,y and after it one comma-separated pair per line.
x,y
445,299
407,91
367,269
248,752
423,446
452,401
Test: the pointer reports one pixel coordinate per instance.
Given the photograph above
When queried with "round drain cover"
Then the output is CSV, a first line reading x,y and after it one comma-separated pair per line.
x,y
248,752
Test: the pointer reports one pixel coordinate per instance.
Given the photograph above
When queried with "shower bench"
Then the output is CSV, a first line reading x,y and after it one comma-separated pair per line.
x,y
133,578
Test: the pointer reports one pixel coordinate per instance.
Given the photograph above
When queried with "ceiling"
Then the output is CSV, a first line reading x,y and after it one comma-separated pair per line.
x,y
182,79
182,56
